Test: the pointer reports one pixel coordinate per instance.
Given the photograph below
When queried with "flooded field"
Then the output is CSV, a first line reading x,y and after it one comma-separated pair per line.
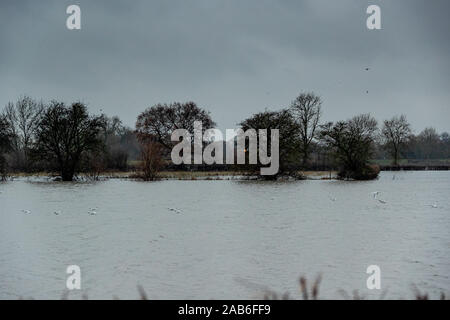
x,y
225,239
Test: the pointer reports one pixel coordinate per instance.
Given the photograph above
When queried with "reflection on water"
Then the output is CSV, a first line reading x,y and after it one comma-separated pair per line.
x,y
224,239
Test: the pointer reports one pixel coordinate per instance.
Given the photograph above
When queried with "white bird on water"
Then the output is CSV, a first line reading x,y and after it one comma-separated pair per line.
x,y
26,211
375,196
92,211
332,198
434,205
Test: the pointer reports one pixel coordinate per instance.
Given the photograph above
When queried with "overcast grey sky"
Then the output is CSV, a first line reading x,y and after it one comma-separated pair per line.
x,y
232,57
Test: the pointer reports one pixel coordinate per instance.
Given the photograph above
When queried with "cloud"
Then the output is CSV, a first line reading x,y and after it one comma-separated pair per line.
x,y
232,57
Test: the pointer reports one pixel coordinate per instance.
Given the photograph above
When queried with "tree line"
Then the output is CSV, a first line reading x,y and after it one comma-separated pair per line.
x,y
68,140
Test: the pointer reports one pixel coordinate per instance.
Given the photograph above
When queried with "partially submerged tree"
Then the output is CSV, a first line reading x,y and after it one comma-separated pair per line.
x,y
154,128
396,132
352,143
288,139
306,109
65,134
151,159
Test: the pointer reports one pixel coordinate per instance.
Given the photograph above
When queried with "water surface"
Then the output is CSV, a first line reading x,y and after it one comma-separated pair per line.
x,y
225,239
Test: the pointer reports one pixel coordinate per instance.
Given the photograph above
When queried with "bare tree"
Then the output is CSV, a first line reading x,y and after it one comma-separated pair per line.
x,y
428,143
151,158
160,120
396,133
23,117
66,134
94,164
116,155
307,110
288,139
352,143
9,115
155,125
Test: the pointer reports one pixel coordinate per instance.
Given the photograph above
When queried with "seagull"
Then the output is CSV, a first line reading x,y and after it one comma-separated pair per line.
x,y
332,198
175,210
434,205
26,211
57,212
375,196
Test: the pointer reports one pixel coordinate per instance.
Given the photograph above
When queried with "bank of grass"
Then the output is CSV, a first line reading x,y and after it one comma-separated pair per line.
x,y
225,175
179,175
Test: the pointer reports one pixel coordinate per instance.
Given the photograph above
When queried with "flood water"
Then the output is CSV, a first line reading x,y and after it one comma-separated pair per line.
x,y
225,239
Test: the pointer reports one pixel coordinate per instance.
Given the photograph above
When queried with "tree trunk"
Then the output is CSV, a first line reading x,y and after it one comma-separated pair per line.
x,y
67,175
305,158
396,157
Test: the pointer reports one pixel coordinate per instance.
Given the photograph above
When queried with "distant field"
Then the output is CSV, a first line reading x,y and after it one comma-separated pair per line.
x,y
418,162
381,162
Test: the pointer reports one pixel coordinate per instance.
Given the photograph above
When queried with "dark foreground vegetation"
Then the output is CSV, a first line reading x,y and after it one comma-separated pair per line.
x,y
66,140
307,291
310,291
